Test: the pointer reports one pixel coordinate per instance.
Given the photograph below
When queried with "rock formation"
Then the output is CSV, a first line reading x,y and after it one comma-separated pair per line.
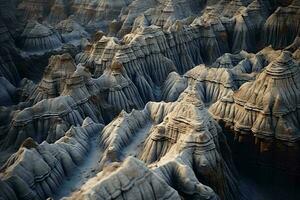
x,y
136,181
214,81
36,171
266,108
71,31
38,38
282,27
173,135
176,82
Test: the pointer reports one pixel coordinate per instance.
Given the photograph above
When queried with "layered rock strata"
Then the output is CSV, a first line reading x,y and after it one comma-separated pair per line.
x,y
181,134
38,39
36,171
266,110
136,181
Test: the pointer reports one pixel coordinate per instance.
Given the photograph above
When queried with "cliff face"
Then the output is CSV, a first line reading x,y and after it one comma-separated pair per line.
x,y
35,171
182,136
265,108
169,81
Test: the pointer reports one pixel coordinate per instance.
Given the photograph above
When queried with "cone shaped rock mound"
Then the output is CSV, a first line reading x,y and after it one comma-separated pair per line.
x,y
156,99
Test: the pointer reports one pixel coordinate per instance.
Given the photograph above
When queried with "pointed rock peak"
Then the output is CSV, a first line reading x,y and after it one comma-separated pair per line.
x,y
39,30
71,132
66,57
255,5
98,35
177,26
29,143
116,65
202,140
242,11
190,95
122,115
82,71
87,122
283,67
284,57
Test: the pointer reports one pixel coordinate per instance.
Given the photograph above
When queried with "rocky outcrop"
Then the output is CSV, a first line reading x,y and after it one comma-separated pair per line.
x,y
71,31
122,93
40,121
171,141
265,109
149,70
59,11
35,9
60,68
282,27
38,39
36,171
279,72
7,92
227,73
136,181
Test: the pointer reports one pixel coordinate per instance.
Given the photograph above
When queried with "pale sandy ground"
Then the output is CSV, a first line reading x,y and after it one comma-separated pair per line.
x,y
83,172
89,167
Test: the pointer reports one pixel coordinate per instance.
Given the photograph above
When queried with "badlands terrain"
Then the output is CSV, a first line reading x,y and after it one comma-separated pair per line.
x,y
150,99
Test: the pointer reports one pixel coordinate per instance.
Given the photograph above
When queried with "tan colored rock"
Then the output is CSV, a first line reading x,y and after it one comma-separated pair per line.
x,y
171,142
264,100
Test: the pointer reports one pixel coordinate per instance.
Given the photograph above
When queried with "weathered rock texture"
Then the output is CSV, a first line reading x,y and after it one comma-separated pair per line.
x,y
38,38
283,25
149,70
182,136
266,109
133,180
214,81
36,171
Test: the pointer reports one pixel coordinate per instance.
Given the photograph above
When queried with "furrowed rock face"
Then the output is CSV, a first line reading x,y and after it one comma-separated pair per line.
x,y
60,68
98,14
8,51
38,39
8,15
59,11
173,80
266,108
36,171
282,26
170,144
71,31
122,93
40,120
161,13
7,92
214,81
8,68
64,97
35,9
136,181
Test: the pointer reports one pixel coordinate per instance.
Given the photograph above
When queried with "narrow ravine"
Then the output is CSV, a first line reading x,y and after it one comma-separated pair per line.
x,y
83,172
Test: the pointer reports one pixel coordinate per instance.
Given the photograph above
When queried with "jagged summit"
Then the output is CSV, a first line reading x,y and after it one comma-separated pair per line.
x,y
188,92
